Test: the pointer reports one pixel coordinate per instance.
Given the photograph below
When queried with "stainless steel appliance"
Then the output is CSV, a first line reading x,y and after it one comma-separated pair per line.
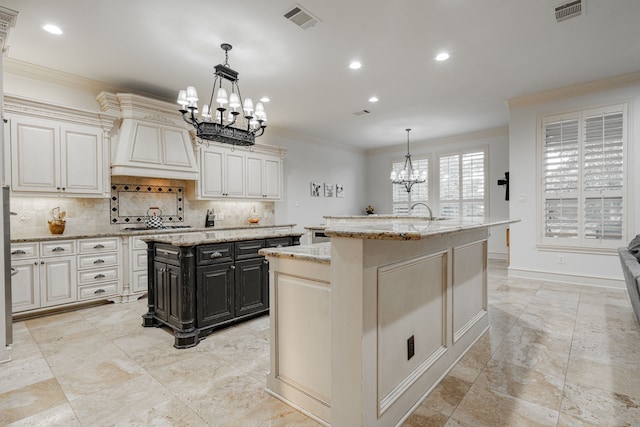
x,y
7,266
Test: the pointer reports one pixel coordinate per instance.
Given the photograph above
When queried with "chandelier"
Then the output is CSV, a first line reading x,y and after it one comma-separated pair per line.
x,y
408,175
220,119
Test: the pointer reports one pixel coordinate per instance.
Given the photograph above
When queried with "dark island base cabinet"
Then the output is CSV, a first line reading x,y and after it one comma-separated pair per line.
x,y
198,289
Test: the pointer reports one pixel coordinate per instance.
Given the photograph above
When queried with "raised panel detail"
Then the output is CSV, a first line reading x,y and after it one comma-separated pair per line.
x,y
469,286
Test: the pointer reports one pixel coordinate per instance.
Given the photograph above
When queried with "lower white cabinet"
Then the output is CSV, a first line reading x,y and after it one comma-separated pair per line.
x,y
53,272
138,265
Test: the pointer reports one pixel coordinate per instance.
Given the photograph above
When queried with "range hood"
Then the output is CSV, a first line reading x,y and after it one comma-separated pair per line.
x,y
153,140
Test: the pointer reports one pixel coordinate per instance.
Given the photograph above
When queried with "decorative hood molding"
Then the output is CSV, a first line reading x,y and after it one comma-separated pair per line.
x,y
153,141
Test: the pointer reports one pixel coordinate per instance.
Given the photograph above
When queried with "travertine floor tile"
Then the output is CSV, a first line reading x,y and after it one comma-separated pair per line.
x,y
62,416
30,400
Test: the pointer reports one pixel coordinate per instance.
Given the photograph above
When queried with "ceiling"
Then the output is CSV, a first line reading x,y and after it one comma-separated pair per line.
x,y
500,49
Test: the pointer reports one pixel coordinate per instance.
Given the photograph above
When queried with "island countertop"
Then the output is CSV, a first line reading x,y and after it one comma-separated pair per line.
x,y
317,252
385,228
203,238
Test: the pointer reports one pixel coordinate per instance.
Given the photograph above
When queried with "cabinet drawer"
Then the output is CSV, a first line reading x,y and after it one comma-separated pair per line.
x,y
97,275
279,242
248,249
61,247
97,260
24,250
138,243
167,253
97,291
98,245
139,260
214,254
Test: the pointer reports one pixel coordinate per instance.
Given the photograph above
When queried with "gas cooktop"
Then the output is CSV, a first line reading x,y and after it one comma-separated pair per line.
x,y
164,227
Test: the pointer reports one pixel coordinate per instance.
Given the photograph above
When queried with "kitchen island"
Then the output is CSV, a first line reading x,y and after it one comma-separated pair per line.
x,y
200,282
364,327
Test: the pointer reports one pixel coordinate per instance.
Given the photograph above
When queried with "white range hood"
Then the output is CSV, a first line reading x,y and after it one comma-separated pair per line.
x,y
153,140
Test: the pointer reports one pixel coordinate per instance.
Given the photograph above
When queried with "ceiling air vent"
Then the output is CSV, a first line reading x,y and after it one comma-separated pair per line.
x,y
568,10
301,17
361,113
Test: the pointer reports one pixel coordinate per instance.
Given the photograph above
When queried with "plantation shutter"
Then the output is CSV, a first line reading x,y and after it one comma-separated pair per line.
x,y
450,186
473,184
603,176
560,178
462,184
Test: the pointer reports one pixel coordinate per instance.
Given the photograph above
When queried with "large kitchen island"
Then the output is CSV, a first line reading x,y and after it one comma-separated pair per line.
x,y
365,326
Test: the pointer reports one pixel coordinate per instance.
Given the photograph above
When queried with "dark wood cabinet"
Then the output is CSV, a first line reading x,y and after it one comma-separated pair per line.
x,y
198,289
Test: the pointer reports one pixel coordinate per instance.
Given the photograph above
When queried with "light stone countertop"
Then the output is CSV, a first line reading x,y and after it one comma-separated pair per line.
x,y
387,228
317,252
245,229
209,237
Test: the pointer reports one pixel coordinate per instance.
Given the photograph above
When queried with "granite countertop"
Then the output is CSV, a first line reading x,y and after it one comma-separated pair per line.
x,y
147,232
208,237
388,229
317,252
316,227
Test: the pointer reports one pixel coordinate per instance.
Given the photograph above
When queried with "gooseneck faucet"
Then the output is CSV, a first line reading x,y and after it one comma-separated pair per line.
x,y
426,206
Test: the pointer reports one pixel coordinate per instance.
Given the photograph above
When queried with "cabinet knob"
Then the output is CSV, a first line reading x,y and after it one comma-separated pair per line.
x,y
98,261
216,254
99,246
41,262
35,263
265,262
99,291
99,276
233,267
18,252
57,249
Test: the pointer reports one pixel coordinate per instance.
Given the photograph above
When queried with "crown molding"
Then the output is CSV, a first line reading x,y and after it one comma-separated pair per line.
x,y
579,89
7,21
465,137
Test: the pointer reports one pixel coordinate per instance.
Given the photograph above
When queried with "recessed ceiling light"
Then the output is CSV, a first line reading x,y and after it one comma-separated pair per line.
x,y
442,56
265,99
53,29
373,99
355,65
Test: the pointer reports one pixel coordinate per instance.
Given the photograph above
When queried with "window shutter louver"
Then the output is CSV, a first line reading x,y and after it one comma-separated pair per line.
x,y
462,185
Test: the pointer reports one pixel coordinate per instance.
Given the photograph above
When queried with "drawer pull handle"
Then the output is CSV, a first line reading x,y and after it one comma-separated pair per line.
x,y
99,246
279,246
99,291
99,276
265,262
216,254
18,252
98,261
57,249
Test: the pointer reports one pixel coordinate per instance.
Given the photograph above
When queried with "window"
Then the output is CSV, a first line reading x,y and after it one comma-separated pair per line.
x,y
402,200
462,184
582,167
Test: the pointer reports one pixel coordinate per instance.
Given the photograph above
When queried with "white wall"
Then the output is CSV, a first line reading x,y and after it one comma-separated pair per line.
x,y
321,161
526,259
379,162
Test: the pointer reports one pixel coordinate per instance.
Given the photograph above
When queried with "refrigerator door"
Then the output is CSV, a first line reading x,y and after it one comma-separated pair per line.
x,y
7,265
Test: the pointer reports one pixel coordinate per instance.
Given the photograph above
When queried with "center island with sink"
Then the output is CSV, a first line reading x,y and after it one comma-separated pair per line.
x,y
363,327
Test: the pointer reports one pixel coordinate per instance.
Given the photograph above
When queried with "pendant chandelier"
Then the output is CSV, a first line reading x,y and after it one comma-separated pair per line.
x,y
408,176
223,119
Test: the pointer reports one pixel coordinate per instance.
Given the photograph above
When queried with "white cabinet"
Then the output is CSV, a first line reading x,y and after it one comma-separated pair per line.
x,y
46,274
138,265
49,157
221,173
228,172
99,268
264,176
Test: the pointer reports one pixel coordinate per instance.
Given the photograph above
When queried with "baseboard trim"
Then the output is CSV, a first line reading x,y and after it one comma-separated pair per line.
x,y
574,279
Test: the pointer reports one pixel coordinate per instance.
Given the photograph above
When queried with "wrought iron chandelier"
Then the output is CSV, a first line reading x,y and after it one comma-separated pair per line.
x,y
408,176
215,123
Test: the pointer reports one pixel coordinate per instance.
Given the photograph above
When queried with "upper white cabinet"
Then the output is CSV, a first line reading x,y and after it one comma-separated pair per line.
x,y
264,176
233,172
56,150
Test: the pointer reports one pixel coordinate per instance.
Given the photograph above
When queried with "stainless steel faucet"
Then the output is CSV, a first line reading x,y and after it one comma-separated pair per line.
x,y
426,206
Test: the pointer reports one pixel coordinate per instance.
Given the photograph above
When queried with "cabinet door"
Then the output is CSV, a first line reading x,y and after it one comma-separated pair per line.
x,y
234,174
25,286
254,176
81,160
173,279
34,155
272,178
211,174
58,281
161,290
214,294
251,287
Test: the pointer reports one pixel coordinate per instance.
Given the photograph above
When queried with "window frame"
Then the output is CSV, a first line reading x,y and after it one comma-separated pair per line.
x,y
582,244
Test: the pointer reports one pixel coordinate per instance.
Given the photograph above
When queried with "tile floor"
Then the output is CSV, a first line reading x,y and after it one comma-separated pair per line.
x,y
556,355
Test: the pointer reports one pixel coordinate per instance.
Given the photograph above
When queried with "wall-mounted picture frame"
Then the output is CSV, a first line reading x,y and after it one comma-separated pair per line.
x,y
328,190
339,190
315,189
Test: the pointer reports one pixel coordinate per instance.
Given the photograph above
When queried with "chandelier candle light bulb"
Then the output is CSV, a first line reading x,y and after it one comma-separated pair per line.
x,y
223,127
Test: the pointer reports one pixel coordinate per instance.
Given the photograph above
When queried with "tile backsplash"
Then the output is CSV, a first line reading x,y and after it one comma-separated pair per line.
x,y
88,216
